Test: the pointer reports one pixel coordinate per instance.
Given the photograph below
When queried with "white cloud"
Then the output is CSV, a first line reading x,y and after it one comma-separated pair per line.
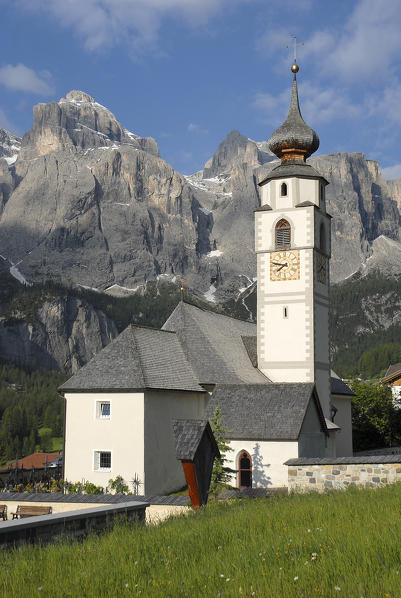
x,y
318,105
102,24
194,128
364,48
392,172
22,78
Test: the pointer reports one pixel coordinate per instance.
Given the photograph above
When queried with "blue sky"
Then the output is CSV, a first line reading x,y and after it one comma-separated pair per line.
x,y
186,72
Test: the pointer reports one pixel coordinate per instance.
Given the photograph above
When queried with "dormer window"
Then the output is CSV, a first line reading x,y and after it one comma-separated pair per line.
x,y
283,234
283,190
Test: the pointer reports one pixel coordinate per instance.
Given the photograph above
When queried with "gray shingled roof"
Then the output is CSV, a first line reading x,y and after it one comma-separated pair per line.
x,y
188,434
94,499
214,346
138,358
263,411
339,387
298,169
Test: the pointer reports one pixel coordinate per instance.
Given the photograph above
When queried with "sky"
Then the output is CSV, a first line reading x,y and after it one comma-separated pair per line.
x,y
187,72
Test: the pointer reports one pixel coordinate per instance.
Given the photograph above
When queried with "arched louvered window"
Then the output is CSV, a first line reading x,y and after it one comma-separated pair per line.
x,y
283,189
322,237
283,234
244,470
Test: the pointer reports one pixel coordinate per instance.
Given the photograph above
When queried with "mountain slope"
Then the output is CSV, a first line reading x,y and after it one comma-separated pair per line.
x,y
87,202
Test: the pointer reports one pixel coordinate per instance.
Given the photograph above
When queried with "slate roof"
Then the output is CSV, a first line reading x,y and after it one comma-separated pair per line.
x,y
153,499
394,371
339,387
187,435
139,358
298,169
263,411
345,460
214,346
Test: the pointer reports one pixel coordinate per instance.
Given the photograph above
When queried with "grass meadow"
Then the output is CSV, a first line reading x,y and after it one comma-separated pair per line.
x,y
344,543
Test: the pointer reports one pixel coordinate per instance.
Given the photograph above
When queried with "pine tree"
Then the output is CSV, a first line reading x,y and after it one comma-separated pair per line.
x,y
221,474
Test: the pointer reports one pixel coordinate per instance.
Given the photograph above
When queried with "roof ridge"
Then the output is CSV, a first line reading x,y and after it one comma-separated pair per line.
x,y
138,352
215,313
133,325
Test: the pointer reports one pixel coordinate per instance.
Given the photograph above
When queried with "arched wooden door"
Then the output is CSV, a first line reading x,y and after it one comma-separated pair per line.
x,y
244,470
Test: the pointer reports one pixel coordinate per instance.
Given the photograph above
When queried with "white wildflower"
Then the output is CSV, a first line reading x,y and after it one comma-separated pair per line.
x,y
295,578
228,579
337,588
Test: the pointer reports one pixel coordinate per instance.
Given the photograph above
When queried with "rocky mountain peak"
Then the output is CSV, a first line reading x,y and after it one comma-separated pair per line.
x,y
234,150
10,146
79,96
78,122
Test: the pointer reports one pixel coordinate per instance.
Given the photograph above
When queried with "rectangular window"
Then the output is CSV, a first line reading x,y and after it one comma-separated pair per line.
x,y
102,461
103,409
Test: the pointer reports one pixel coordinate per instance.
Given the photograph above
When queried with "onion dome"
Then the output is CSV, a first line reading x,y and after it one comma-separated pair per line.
x,y
294,140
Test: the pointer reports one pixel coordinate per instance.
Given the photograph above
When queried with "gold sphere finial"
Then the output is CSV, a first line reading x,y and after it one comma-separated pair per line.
x,y
295,68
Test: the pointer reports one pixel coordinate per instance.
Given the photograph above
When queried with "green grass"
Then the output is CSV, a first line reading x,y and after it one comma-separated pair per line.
x,y
247,548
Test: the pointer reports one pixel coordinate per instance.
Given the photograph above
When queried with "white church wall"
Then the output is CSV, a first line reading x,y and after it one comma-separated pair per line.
x,y
164,472
268,458
121,434
344,420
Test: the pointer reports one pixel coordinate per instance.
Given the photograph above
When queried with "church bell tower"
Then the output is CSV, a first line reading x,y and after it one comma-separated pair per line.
x,y
292,241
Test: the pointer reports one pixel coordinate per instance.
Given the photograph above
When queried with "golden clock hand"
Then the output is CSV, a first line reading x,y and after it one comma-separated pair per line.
x,y
282,266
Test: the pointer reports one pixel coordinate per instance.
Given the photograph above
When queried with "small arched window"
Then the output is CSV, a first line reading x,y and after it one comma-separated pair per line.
x,y
283,234
244,470
283,189
322,243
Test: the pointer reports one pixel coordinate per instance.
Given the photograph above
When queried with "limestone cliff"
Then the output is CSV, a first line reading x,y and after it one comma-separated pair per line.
x,y
65,333
88,202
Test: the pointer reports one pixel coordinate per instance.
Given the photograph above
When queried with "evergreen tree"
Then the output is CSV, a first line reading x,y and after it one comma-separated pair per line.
x,y
221,474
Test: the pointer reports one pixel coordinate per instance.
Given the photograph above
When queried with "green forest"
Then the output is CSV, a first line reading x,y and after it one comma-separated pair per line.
x,y
31,411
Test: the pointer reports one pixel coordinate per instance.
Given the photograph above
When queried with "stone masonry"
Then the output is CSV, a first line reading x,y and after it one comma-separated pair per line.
x,y
338,473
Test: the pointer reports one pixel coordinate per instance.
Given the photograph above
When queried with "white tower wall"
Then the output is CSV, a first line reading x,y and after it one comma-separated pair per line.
x,y
293,315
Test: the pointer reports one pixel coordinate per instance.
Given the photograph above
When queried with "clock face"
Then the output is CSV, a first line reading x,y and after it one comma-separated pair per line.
x,y
321,268
284,265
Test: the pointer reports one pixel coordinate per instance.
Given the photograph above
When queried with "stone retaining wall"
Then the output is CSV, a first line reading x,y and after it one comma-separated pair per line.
x,y
74,524
327,474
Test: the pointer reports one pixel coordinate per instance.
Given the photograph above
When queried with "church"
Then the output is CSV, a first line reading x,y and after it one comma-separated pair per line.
x,y
271,380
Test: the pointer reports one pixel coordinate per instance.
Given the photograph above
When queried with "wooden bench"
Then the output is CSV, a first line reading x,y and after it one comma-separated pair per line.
x,y
30,511
3,512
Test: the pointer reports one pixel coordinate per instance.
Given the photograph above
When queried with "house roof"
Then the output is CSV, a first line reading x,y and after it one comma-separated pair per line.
x,y
139,358
188,434
36,460
263,411
338,386
214,345
393,372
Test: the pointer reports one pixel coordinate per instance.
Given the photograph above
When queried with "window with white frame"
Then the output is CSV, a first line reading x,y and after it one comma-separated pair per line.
x,y
102,461
103,409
